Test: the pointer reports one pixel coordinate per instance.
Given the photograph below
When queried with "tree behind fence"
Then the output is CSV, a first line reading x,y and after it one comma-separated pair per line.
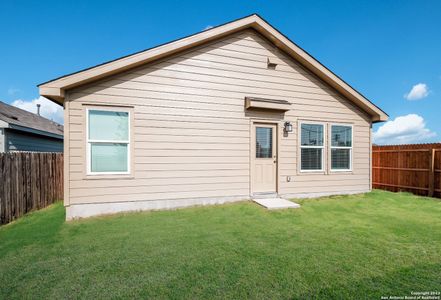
x,y
29,181
412,168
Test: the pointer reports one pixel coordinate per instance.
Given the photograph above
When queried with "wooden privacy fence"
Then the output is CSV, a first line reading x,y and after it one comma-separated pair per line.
x,y
413,168
29,181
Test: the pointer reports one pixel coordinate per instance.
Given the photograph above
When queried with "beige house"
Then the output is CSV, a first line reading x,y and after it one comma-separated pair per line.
x,y
223,115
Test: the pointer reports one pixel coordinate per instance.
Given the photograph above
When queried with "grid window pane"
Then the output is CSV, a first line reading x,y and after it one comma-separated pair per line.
x,y
312,135
264,142
108,125
108,157
311,159
341,136
341,159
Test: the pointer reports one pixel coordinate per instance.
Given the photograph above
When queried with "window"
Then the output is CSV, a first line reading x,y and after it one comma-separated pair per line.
x,y
341,147
264,142
108,142
311,147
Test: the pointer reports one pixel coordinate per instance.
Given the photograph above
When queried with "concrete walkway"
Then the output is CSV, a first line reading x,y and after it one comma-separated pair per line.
x,y
276,203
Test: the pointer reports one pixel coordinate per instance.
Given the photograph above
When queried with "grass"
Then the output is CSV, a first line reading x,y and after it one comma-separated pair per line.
x,y
359,246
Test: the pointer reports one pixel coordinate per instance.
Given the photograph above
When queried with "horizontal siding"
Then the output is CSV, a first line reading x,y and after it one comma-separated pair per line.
x,y
177,167
123,196
325,187
191,133
231,114
24,141
167,176
153,189
143,182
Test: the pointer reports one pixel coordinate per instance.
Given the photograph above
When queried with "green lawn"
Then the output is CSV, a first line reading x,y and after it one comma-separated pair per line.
x,y
361,246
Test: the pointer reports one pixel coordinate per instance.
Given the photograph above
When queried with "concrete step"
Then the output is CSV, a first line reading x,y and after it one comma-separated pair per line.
x,y
275,203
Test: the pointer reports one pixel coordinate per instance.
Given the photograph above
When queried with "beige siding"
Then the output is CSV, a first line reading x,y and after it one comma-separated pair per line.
x,y
191,135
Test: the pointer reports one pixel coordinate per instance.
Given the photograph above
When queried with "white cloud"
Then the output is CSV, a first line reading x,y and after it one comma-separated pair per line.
x,y
48,109
403,130
418,91
208,27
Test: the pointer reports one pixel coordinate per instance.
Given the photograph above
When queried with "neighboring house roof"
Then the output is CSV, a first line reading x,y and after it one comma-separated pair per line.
x,y
20,119
55,89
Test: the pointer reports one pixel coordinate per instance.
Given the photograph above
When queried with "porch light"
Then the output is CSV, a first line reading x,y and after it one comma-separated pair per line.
x,y
287,127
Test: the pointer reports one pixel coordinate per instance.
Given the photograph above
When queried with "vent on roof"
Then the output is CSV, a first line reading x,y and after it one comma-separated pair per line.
x,y
9,116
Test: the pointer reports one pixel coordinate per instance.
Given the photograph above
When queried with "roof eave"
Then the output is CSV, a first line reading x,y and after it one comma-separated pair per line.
x,y
380,118
55,90
56,94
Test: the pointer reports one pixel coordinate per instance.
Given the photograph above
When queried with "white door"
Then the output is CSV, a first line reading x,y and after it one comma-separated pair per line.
x,y
264,158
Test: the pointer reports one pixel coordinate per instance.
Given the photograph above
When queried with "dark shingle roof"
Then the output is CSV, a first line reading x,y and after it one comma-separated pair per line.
x,y
19,117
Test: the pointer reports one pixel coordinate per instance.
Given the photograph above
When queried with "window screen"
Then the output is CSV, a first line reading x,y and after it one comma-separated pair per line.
x,y
108,125
264,142
341,147
108,141
312,135
311,159
311,144
341,136
108,157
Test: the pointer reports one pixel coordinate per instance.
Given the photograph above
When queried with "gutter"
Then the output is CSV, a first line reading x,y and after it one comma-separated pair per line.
x,y
35,131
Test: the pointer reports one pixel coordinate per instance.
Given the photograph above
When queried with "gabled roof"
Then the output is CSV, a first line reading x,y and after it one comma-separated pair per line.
x,y
55,89
22,120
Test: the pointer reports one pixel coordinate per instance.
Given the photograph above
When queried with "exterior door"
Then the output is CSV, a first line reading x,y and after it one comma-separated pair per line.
x,y
264,158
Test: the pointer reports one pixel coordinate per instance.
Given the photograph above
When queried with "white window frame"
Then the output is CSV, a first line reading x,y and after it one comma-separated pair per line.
x,y
89,141
316,147
351,149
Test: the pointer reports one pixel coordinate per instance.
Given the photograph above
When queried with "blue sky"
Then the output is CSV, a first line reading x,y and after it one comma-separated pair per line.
x,y
382,48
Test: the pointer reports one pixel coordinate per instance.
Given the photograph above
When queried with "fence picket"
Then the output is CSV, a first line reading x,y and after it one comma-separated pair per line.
x,y
29,181
413,168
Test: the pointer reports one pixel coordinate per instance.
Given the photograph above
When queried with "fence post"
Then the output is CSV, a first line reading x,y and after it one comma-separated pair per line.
x,y
432,173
